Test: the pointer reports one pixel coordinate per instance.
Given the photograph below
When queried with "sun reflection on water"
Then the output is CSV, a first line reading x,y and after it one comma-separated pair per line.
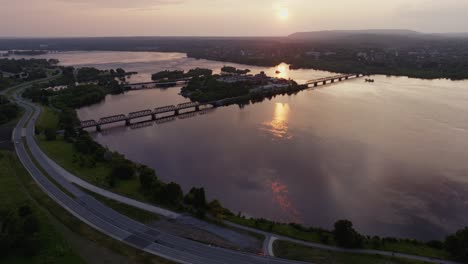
x,y
278,127
282,71
281,197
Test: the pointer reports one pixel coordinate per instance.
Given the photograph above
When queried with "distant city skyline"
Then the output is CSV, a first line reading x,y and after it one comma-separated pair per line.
x,y
68,18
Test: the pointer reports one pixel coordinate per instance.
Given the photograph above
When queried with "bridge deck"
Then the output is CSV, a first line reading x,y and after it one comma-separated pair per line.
x,y
142,113
336,77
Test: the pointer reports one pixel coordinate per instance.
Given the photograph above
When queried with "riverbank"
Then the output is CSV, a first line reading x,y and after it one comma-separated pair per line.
x,y
64,154
289,250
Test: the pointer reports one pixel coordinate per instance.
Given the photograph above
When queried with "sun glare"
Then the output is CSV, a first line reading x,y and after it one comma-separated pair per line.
x,y
283,14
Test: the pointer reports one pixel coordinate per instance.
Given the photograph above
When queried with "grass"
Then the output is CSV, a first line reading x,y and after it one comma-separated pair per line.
x,y
47,119
283,229
315,236
54,248
78,227
130,211
413,249
289,250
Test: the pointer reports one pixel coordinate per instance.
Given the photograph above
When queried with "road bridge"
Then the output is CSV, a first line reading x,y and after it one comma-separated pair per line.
x,y
332,79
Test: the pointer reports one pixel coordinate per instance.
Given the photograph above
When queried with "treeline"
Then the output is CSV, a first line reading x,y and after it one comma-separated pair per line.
x,y
24,65
19,229
8,110
168,76
204,87
346,236
90,86
89,153
17,71
207,88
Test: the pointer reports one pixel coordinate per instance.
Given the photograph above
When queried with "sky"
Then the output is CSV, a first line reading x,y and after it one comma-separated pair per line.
x,y
66,18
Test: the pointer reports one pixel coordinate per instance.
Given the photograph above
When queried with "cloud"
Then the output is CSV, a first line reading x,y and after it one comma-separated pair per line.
x,y
124,4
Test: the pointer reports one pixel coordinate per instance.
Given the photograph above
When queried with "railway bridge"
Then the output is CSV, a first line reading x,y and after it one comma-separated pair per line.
x,y
127,119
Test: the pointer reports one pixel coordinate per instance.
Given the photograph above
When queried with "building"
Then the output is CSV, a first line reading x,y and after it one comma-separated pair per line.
x,y
56,88
272,87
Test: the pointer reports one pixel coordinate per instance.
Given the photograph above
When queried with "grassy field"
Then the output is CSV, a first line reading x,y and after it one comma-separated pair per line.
x,y
130,211
78,227
288,250
283,229
47,119
412,249
318,237
54,248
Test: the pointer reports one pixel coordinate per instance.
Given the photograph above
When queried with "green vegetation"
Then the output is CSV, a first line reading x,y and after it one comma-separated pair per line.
x,y
233,70
82,156
457,245
26,235
5,82
345,235
289,250
130,211
167,75
318,235
77,226
207,88
8,110
28,52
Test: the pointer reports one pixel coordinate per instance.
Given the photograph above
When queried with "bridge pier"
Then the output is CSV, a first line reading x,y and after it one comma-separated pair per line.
x,y
127,122
315,84
153,117
346,78
340,79
324,82
332,80
98,128
197,108
176,112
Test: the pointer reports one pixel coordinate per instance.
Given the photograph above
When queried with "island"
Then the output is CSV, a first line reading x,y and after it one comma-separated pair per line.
x,y
232,85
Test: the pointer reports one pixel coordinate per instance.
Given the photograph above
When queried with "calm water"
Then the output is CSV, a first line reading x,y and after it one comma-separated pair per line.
x,y
390,156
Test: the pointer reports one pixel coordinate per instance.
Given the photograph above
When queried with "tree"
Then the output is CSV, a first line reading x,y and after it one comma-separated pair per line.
x,y
457,245
50,134
122,169
120,72
196,198
147,177
345,235
173,194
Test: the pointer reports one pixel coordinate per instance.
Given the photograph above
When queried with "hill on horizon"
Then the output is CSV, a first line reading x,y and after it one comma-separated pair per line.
x,y
326,34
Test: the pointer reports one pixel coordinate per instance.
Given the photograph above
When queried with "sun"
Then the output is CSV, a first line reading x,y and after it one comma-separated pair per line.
x,y
283,13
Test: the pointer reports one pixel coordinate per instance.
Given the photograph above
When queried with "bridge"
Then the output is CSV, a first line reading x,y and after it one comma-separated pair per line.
x,y
157,84
332,79
175,110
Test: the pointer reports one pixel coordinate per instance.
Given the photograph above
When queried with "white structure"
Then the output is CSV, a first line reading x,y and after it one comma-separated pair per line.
x,y
56,88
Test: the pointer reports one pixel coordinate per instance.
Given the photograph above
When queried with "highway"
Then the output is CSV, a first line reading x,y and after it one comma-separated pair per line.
x,y
110,222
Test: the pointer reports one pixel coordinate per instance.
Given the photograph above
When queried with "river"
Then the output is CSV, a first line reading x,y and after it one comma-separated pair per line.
x,y
389,155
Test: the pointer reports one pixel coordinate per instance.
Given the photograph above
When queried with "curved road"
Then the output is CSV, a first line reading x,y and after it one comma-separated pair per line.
x,y
112,223
134,233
